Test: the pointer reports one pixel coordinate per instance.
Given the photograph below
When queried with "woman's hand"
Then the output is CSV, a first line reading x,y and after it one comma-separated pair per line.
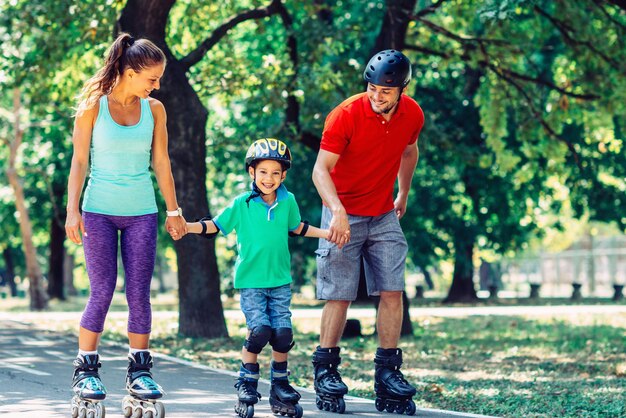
x,y
74,226
176,226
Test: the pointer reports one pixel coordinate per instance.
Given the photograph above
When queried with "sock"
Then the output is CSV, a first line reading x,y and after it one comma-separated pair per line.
x,y
136,350
86,353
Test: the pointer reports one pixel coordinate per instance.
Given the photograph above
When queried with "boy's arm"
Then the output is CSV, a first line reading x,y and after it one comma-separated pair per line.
x,y
196,227
311,231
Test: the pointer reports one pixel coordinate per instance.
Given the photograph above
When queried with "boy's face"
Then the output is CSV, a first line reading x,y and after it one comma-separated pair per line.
x,y
269,175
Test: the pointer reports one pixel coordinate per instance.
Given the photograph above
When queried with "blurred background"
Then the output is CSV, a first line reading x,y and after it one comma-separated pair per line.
x,y
517,195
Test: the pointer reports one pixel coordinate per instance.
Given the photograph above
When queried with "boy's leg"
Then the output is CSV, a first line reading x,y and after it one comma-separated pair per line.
x,y
278,305
254,305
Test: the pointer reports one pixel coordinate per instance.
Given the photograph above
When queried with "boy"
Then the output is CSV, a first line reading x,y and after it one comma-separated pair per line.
x,y
263,219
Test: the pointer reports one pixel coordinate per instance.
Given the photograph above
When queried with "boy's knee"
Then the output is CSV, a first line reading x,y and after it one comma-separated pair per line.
x,y
258,339
282,340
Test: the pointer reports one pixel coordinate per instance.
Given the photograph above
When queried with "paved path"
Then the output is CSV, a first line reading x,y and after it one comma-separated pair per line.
x,y
35,371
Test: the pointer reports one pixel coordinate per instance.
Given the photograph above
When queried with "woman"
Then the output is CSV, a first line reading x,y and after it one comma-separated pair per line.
x,y
119,126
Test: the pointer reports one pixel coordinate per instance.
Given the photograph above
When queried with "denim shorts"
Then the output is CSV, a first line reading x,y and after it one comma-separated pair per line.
x,y
266,306
378,241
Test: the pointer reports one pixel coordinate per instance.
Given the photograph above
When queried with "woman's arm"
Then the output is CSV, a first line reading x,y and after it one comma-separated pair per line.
x,y
162,167
81,140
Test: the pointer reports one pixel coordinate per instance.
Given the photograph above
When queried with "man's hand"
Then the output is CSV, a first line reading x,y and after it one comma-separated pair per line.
x,y
399,206
339,229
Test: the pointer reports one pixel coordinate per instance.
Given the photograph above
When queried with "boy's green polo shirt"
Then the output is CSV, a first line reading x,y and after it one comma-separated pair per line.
x,y
262,238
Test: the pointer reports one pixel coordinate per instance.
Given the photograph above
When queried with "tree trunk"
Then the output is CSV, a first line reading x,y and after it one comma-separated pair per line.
x,y
201,312
68,274
462,289
38,297
392,34
7,255
56,288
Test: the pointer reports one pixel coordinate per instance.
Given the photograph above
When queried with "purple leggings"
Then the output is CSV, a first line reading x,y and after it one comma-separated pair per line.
x,y
138,243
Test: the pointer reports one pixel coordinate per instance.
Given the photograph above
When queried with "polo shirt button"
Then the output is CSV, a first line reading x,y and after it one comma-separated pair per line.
x,y
383,122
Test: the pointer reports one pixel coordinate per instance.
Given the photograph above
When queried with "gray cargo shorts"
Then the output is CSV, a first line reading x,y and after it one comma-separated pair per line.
x,y
379,241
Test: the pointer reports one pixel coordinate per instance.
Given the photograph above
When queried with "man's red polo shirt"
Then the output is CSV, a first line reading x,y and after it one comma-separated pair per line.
x,y
370,149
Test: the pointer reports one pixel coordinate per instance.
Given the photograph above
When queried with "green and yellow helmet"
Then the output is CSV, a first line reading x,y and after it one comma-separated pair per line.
x,y
268,149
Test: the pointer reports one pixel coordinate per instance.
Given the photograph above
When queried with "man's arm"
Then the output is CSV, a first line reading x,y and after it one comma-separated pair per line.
x,y
339,228
408,162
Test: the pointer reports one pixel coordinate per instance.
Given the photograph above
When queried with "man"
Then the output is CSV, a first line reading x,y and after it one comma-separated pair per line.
x,y
369,140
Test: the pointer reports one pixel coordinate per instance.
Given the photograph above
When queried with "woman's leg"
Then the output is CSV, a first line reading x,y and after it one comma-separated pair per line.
x,y
138,244
100,246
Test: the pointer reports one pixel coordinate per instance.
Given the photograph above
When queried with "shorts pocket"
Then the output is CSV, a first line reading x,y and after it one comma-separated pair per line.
x,y
323,271
322,252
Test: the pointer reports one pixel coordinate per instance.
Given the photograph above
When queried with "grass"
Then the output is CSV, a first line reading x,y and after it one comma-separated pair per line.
x,y
510,366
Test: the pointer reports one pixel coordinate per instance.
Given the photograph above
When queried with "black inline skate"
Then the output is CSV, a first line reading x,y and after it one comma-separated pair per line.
x,y
329,387
283,397
88,388
246,385
393,392
143,391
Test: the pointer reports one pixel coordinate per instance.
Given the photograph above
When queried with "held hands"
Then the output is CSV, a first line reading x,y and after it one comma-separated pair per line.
x,y
339,230
176,226
74,224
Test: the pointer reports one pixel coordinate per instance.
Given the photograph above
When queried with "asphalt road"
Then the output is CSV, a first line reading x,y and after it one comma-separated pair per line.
x,y
36,369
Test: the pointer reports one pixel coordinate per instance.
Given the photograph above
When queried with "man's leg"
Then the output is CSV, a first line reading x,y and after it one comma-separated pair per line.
x,y
333,322
389,320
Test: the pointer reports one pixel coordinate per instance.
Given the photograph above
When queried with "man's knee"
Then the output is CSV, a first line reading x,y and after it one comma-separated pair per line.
x,y
258,339
282,340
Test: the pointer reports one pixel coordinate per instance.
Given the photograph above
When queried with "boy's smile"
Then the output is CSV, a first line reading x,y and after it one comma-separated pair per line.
x,y
268,176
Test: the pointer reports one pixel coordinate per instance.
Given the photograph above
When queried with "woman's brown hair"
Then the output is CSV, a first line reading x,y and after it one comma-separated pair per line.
x,y
126,52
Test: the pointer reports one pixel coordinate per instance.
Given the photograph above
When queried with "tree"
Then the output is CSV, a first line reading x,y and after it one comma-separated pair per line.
x,y
38,297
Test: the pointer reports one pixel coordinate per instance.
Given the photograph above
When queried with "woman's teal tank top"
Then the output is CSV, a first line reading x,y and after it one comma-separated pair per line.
x,y
119,182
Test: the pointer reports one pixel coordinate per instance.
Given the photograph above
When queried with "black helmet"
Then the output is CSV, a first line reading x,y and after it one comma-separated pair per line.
x,y
268,149
388,68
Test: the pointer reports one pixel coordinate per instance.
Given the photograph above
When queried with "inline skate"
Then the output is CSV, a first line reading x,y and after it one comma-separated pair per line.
x,y
143,391
247,394
283,397
329,387
88,388
393,392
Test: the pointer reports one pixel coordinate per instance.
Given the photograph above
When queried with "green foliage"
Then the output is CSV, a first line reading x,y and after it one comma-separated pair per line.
x,y
524,109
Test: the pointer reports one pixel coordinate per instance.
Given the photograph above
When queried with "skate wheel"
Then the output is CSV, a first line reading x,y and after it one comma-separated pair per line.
x,y
160,410
389,407
341,406
380,405
100,410
82,412
137,413
148,414
249,411
299,411
128,411
74,412
411,408
318,403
